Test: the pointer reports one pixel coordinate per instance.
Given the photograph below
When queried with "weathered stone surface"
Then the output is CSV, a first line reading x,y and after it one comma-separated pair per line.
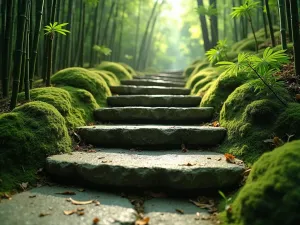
x,y
147,169
145,82
154,115
151,135
166,75
148,90
163,212
164,78
23,209
154,100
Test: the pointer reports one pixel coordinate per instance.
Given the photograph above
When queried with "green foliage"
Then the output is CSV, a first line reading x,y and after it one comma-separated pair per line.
x,y
129,57
193,79
102,50
84,79
272,192
218,53
115,68
51,29
28,135
211,10
245,10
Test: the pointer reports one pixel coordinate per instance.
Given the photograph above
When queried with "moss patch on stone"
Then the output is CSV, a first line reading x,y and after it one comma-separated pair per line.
x,y
27,135
115,68
193,79
194,68
221,88
84,79
110,80
128,68
201,83
204,89
272,192
249,117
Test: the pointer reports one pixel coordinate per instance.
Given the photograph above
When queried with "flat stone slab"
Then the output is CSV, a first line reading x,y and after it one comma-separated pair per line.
x,y
148,90
154,100
145,82
151,135
147,169
162,211
165,78
165,75
154,115
25,208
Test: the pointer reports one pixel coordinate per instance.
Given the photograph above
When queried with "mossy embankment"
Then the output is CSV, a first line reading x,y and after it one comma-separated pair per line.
x,y
42,127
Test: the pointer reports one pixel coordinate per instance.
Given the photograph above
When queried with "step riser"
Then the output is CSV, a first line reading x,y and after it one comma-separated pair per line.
x,y
152,83
174,101
165,75
145,115
154,78
151,138
139,90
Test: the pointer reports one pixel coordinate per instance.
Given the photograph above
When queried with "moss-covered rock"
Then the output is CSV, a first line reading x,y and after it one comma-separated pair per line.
x,y
115,68
84,79
201,83
193,79
249,117
200,67
249,45
272,192
128,68
221,88
204,89
107,76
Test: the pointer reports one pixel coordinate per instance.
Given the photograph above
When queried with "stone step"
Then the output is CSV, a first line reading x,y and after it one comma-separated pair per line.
x,y
151,136
165,75
154,78
154,100
145,82
154,115
148,90
147,169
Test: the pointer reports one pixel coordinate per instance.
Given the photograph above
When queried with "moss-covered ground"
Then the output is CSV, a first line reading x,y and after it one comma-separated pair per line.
x,y
120,71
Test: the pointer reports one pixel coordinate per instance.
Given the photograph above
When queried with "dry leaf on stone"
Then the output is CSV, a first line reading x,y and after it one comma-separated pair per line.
x,y
44,214
5,196
205,203
179,211
74,202
66,193
24,185
143,221
97,203
96,220
215,124
32,196
69,212
229,158
91,151
188,164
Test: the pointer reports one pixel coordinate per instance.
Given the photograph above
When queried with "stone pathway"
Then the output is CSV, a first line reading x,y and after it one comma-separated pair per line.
x,y
141,142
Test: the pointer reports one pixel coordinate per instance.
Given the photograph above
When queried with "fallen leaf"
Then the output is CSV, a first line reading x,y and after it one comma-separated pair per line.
x,y
187,164
205,218
101,157
66,193
229,158
104,161
91,151
80,209
246,172
80,213
24,185
205,203
69,212
74,202
179,211
32,196
97,203
96,220
208,157
277,141
44,214
215,124
143,221
219,159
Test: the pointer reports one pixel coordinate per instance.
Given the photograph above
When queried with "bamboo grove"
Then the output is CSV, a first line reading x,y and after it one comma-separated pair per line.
x,y
27,54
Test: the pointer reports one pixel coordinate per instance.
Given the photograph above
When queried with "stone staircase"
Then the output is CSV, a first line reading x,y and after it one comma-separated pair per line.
x,y
142,140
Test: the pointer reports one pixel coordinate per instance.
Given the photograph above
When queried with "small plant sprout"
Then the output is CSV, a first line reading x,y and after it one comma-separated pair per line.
x,y
218,53
51,29
102,50
263,67
246,10
129,57
227,202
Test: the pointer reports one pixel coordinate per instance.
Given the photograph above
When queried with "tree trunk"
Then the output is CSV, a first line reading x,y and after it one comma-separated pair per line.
x,y
68,41
288,18
94,34
270,22
6,49
120,53
236,37
38,22
114,31
282,15
137,32
2,36
204,28
81,54
18,52
214,26
296,39
103,42
27,55
264,19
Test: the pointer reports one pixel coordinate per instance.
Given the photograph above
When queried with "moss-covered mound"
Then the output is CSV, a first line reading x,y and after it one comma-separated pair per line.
x,y
27,135
249,44
202,91
193,79
272,192
221,88
115,68
128,68
109,77
201,83
84,79
61,100
250,117
194,68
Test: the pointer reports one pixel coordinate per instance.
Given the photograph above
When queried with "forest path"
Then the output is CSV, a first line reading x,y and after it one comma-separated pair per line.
x,y
150,143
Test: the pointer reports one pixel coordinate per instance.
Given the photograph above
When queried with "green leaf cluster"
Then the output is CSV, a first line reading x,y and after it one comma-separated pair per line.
x,y
102,49
218,53
211,10
244,10
56,28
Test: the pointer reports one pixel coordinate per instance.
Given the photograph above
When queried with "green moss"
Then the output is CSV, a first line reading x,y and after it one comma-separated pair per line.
x,y
84,79
115,68
204,89
201,83
109,79
249,44
200,67
30,133
189,70
272,192
128,68
249,118
61,100
193,79
221,88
